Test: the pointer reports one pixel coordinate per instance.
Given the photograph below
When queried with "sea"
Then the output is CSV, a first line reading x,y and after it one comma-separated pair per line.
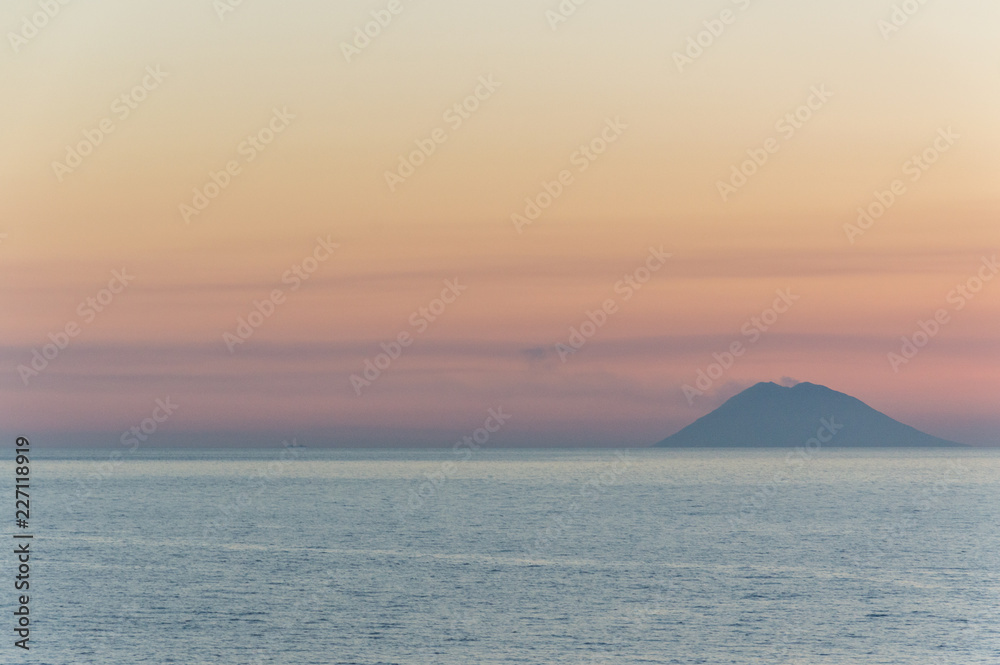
x,y
587,556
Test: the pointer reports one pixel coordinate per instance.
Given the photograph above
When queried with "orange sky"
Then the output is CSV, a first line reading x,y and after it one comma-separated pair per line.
x,y
620,141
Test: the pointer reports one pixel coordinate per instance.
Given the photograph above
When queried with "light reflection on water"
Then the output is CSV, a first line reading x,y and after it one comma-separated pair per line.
x,y
667,556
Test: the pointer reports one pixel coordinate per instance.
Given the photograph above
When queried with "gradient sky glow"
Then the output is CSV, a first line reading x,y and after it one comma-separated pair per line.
x,y
324,176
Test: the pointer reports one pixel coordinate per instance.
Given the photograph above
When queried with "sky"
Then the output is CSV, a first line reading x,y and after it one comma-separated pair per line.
x,y
573,213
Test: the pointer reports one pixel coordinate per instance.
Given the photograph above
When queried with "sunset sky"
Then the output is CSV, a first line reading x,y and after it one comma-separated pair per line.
x,y
309,128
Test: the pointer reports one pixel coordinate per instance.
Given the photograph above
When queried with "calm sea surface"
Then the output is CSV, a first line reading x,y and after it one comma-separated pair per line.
x,y
310,556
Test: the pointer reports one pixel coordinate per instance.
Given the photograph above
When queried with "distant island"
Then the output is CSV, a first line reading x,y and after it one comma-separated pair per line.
x,y
771,415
